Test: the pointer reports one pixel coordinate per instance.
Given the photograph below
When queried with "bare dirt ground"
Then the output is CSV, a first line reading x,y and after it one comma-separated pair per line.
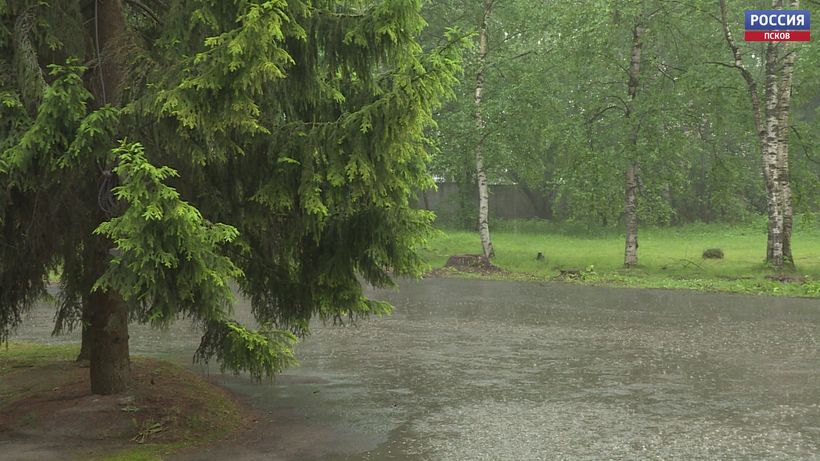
x,y
48,412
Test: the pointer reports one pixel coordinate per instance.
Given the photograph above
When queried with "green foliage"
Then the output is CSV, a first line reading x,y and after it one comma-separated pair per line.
x,y
167,258
260,353
556,94
33,156
272,144
30,170
97,129
241,55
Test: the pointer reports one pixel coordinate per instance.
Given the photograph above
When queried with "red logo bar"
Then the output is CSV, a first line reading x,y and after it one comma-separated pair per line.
x,y
778,36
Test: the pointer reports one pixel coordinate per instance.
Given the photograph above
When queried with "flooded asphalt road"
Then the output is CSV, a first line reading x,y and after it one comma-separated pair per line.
x,y
486,370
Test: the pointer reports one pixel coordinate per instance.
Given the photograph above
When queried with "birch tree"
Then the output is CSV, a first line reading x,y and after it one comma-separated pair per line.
x,y
481,173
632,176
629,101
771,122
481,133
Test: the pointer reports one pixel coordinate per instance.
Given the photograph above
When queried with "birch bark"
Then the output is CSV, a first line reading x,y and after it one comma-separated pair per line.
x,y
782,164
481,174
771,141
772,125
632,175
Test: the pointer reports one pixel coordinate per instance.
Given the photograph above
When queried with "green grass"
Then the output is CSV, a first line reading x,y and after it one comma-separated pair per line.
x,y
155,452
668,257
15,356
20,355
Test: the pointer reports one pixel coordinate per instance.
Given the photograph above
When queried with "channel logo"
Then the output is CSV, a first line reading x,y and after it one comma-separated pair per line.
x,y
778,25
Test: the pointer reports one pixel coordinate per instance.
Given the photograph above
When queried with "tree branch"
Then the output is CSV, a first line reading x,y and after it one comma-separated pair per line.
x,y
744,72
730,66
600,113
145,9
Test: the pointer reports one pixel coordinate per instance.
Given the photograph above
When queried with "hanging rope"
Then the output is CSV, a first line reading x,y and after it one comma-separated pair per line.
x,y
97,49
105,194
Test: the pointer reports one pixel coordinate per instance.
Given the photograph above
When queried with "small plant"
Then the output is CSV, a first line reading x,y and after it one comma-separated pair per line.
x,y
148,429
589,274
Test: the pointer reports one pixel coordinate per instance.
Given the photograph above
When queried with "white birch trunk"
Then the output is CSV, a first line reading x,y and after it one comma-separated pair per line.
x,y
782,163
631,213
772,125
632,174
771,142
783,109
481,174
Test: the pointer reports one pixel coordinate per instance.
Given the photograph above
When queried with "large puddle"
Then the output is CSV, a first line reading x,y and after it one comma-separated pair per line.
x,y
486,370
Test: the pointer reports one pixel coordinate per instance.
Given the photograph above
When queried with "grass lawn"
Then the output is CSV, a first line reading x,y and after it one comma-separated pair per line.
x,y
669,257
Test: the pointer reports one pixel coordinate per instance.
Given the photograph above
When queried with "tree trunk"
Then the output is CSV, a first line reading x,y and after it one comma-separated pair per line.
x,y
110,363
106,331
631,213
481,175
779,71
772,125
783,109
85,345
466,212
105,33
89,277
771,141
780,59
632,176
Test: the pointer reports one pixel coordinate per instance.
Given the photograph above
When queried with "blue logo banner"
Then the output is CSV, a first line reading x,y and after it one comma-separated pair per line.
x,y
778,20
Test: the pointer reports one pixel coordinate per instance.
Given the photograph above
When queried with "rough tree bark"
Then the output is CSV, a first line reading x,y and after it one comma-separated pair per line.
x,y
631,215
106,313
632,175
771,142
772,124
85,344
782,164
109,356
481,174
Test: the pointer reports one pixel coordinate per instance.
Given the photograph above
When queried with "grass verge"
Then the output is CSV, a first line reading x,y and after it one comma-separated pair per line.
x,y
668,257
45,402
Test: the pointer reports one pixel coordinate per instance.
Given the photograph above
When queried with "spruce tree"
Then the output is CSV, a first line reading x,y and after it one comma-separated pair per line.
x,y
155,153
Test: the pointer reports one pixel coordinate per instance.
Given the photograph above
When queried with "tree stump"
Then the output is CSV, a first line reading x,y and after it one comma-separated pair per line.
x,y
474,261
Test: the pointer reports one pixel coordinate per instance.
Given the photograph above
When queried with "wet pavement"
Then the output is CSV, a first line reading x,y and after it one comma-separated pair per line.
x,y
489,370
